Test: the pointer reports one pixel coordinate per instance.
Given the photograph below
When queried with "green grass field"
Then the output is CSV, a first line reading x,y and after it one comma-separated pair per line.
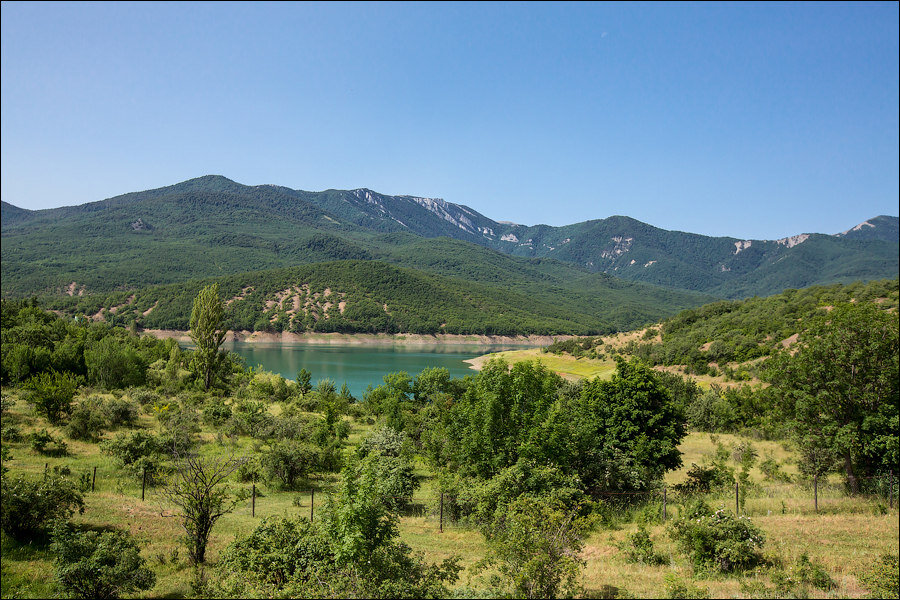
x,y
846,536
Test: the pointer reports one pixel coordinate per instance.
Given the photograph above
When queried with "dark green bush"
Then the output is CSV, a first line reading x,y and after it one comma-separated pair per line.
x,y
11,433
703,480
113,364
772,471
29,507
136,451
144,396
215,412
44,442
88,420
251,470
120,412
94,564
288,462
711,412
352,552
534,543
679,588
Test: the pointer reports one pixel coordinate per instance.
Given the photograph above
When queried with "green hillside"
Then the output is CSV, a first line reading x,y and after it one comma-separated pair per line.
x,y
373,296
212,226
735,332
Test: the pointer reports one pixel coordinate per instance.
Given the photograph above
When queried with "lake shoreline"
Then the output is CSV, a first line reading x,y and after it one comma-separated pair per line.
x,y
369,339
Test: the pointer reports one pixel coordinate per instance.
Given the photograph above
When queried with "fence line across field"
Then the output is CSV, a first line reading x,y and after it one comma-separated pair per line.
x,y
770,491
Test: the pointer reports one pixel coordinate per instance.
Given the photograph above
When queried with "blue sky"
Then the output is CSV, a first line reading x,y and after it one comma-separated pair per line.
x,y
746,120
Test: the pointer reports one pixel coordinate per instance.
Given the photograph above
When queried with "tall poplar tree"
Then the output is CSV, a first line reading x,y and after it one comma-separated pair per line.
x,y
208,332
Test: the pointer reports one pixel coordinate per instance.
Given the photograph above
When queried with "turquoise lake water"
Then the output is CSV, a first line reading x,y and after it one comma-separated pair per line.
x,y
358,365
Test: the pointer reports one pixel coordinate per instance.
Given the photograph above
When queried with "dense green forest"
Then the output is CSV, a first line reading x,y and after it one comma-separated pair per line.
x,y
372,296
212,226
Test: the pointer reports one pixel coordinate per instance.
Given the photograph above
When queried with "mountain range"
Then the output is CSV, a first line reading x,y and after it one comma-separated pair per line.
x,y
212,226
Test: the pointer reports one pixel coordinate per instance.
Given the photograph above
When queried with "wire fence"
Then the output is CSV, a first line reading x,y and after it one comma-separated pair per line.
x,y
813,496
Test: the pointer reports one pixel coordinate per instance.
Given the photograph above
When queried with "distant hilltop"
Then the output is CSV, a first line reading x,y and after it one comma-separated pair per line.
x,y
245,228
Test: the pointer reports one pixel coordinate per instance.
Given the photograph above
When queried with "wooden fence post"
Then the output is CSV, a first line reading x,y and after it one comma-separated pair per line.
x,y
143,483
737,498
891,489
816,491
312,505
664,503
442,513
94,479
253,501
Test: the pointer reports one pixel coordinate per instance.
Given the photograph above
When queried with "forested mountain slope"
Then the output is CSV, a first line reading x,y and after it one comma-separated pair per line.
x,y
372,296
213,226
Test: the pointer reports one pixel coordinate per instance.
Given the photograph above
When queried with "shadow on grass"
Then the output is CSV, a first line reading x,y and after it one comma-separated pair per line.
x,y
414,509
37,548
606,591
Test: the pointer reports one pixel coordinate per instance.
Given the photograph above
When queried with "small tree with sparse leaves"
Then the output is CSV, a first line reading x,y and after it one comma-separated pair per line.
x,y
197,487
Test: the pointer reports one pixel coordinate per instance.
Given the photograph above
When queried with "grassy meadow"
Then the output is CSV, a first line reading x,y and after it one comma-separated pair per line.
x,y
846,536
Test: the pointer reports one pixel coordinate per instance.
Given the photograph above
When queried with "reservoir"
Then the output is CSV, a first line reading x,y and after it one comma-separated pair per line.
x,y
358,365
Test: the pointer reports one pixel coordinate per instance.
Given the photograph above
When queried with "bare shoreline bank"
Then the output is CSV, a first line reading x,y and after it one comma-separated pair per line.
x,y
287,338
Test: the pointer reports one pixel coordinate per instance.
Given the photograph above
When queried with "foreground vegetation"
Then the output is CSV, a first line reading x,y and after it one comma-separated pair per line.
x,y
510,483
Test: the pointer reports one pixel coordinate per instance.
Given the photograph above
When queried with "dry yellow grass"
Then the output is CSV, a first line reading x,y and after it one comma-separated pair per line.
x,y
565,365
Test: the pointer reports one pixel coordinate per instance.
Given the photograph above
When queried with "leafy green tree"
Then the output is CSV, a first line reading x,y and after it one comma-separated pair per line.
x,y
498,417
94,564
841,388
483,501
278,553
88,420
345,395
433,381
51,394
624,432
391,458
137,451
288,462
250,417
391,400
363,530
111,364
45,443
208,332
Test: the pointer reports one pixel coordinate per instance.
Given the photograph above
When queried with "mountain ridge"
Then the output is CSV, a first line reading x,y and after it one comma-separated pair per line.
x,y
265,226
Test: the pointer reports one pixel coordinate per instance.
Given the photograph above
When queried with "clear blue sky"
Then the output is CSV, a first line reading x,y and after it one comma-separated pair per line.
x,y
747,120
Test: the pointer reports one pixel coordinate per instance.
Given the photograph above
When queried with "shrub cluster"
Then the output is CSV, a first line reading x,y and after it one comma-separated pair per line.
x,y
716,540
30,507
